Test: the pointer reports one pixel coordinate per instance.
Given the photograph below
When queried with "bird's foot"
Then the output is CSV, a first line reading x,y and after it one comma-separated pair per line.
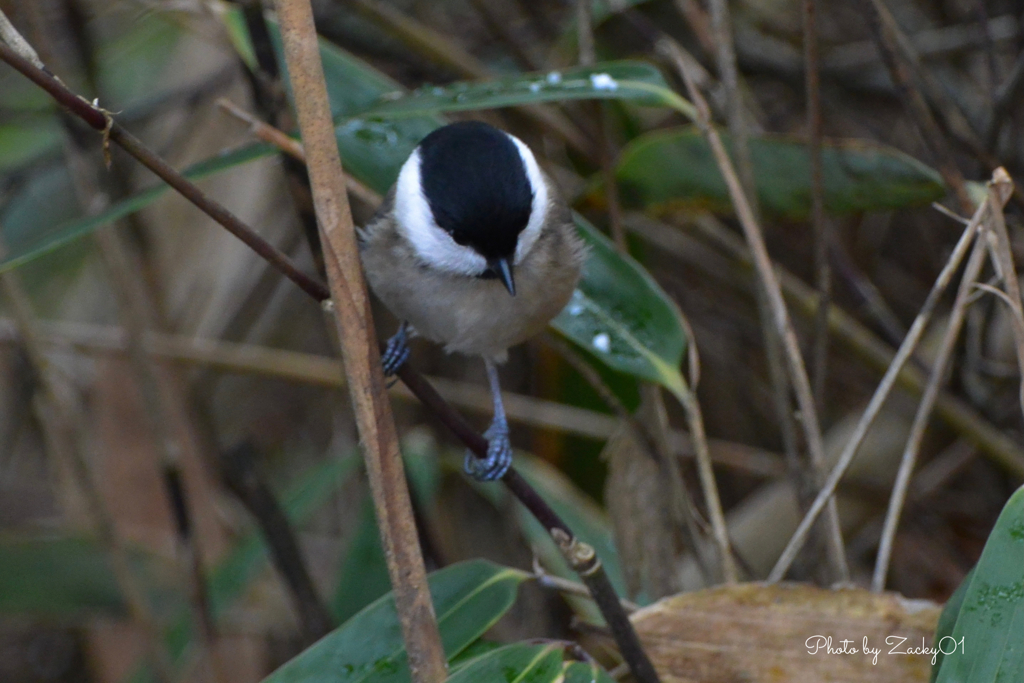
x,y
499,455
396,352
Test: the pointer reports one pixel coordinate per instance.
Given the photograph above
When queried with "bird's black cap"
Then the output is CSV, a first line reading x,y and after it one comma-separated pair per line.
x,y
476,185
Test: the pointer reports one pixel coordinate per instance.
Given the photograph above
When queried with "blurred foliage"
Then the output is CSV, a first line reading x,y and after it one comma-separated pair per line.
x,y
156,66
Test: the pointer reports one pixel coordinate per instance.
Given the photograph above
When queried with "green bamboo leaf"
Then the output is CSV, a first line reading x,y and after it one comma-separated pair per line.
x,y
621,316
22,143
516,663
585,672
70,578
987,643
947,620
33,224
639,82
675,169
468,597
602,9
363,575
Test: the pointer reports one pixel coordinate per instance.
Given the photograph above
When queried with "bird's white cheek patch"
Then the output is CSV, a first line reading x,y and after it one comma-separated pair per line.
x,y
415,222
539,209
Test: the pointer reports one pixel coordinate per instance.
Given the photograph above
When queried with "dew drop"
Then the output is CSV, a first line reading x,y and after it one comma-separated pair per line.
x,y
603,82
602,342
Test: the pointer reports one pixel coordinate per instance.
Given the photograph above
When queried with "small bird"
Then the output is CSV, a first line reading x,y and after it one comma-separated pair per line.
x,y
472,248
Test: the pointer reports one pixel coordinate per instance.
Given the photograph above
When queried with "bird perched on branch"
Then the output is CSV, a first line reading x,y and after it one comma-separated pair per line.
x,y
472,248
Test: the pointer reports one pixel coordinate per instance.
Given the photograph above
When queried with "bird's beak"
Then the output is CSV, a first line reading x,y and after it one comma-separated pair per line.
x,y
503,269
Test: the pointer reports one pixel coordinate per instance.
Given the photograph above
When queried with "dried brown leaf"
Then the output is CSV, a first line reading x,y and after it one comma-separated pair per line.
x,y
757,632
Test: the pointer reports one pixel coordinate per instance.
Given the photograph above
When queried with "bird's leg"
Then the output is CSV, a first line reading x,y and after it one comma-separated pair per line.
x,y
397,350
499,448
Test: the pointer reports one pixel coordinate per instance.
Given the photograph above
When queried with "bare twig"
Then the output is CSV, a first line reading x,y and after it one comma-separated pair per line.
x,y
805,479
351,307
324,371
293,148
728,74
784,328
547,580
1002,258
11,36
999,192
1004,97
695,420
924,411
881,393
999,447
498,23
820,230
870,300
585,33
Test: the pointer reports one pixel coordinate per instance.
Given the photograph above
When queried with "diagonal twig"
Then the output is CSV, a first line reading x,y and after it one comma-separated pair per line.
x,y
784,327
924,411
999,192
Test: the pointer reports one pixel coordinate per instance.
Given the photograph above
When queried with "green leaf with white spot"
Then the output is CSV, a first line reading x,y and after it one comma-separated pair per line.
x,y
639,82
621,316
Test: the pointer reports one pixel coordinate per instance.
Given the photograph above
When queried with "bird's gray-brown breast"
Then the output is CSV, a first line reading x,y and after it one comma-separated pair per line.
x,y
469,314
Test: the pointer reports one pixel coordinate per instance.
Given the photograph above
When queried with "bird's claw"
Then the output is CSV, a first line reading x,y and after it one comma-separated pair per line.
x,y
395,353
499,456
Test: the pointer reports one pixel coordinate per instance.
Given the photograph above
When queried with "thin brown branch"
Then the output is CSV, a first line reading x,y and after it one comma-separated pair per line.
x,y
804,475
547,580
998,193
820,228
1002,259
783,325
994,443
306,368
293,148
359,348
498,23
